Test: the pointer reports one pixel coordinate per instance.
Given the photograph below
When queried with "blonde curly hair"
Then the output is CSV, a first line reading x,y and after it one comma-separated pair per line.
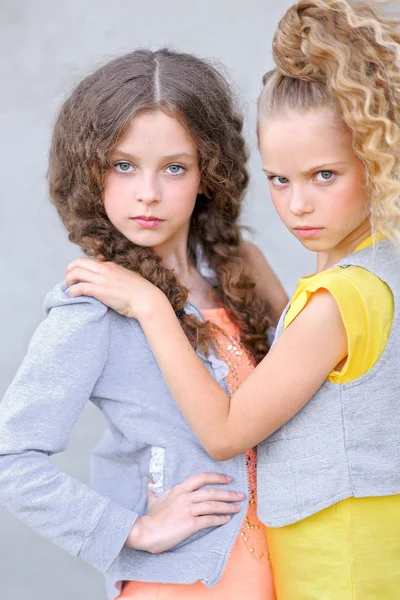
x,y
346,55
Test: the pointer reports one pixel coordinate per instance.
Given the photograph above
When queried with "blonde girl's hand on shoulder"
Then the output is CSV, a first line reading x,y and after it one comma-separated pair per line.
x,y
125,291
182,511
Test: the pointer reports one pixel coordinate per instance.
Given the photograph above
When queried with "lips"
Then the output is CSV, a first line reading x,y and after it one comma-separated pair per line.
x,y
147,222
308,232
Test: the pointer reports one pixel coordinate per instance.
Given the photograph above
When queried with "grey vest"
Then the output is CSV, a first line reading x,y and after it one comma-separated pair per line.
x,y
346,441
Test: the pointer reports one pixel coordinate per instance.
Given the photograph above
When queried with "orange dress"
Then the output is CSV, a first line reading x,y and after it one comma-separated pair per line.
x,y
248,572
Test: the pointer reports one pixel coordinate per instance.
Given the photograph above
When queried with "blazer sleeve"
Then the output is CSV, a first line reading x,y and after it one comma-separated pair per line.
x,y
65,358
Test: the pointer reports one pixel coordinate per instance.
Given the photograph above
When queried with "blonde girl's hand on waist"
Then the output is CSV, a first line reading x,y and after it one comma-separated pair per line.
x,y
182,511
124,291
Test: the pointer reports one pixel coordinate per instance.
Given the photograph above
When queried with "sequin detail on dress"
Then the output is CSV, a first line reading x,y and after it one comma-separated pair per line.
x,y
231,351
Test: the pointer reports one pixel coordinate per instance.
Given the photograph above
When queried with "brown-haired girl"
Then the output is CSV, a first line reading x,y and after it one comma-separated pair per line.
x,y
325,398
147,170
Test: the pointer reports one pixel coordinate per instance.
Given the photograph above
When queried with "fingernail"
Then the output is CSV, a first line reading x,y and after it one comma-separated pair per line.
x,y
241,496
228,478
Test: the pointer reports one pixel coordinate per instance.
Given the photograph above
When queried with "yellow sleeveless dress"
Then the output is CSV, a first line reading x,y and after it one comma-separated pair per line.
x,y
351,550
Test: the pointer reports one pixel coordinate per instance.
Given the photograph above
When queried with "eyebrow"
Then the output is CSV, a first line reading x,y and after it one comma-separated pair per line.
x,y
169,157
313,169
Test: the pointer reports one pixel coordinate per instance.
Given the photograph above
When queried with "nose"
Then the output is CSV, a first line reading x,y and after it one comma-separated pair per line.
x,y
300,202
148,189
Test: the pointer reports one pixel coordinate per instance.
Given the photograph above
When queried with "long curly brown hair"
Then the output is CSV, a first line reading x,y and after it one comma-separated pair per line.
x,y
347,55
96,117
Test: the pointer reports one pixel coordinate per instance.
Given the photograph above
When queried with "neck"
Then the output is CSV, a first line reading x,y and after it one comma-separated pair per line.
x,y
176,258
181,266
200,290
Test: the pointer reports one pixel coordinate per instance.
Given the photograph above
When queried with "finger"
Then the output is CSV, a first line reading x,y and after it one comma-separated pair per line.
x,y
213,494
88,263
80,289
151,495
89,289
197,481
211,521
80,274
151,498
214,508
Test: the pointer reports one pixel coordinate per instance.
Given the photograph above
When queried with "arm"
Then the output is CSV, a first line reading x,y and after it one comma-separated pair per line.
x,y
284,381
64,360
267,283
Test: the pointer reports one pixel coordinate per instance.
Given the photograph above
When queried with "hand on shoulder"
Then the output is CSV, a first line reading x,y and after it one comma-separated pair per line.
x,y
124,291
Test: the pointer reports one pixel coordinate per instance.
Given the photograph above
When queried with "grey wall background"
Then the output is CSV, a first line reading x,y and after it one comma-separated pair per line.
x,y
46,47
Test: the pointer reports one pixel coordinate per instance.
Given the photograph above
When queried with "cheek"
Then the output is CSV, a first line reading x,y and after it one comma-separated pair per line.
x,y
182,199
182,210
352,203
278,202
113,197
110,204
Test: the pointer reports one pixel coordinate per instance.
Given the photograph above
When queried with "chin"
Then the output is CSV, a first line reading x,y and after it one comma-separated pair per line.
x,y
316,245
145,241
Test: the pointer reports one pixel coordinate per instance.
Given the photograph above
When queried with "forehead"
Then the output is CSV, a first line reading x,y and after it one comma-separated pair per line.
x,y
156,131
293,139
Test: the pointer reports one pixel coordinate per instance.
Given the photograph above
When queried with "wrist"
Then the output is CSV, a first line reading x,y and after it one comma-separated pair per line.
x,y
155,303
138,539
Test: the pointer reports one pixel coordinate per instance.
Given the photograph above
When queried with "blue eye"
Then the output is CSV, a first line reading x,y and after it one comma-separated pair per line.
x,y
278,180
122,167
325,176
175,169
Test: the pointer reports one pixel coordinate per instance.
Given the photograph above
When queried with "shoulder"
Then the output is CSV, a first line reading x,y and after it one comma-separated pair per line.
x,y
350,284
60,307
252,254
372,293
321,305
76,331
365,281
257,264
267,283
339,278
356,293
360,300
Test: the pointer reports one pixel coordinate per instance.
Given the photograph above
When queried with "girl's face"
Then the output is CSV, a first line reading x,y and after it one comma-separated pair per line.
x,y
151,189
317,182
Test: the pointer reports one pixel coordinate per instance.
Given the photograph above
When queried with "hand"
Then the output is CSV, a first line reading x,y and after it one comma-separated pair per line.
x,y
182,511
124,291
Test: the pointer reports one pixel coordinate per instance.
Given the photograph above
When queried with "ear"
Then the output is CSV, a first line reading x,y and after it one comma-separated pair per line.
x,y
200,189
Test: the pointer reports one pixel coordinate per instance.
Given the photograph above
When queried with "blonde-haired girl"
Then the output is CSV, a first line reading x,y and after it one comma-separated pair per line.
x,y
323,404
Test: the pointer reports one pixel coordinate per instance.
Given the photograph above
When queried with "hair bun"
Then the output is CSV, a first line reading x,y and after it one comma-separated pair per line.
x,y
290,45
